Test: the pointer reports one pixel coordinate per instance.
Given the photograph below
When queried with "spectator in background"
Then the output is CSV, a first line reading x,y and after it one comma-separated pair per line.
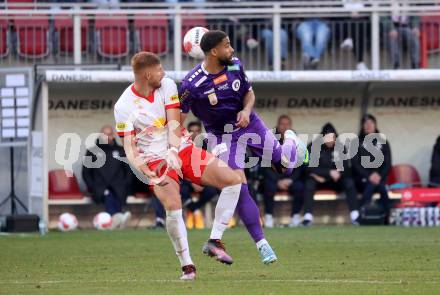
x,y
267,36
313,35
296,191
194,216
403,29
325,175
356,31
434,173
109,183
372,180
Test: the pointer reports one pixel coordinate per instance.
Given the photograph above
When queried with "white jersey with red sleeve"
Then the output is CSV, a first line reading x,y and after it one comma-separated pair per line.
x,y
145,117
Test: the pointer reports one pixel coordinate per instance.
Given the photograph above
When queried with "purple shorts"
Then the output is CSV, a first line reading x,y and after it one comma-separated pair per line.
x,y
256,137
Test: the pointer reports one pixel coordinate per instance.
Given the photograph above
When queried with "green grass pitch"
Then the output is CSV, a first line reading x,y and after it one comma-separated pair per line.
x,y
317,260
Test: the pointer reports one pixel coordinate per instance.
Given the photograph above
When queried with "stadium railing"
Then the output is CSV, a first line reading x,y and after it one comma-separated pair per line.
x,y
263,33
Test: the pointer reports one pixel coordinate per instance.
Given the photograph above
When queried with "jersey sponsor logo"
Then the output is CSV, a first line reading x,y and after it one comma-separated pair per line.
x,y
121,126
233,68
213,98
236,84
201,80
220,79
223,87
174,98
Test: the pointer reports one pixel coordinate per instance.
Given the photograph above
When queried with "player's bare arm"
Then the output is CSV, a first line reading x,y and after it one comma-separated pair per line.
x,y
248,105
174,137
183,118
135,158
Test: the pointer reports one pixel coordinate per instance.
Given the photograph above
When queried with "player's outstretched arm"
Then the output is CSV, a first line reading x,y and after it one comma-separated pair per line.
x,y
174,127
183,118
174,138
248,105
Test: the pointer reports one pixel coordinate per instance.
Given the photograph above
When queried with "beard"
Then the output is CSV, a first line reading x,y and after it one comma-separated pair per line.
x,y
226,61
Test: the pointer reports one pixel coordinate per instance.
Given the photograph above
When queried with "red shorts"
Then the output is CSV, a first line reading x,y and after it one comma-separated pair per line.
x,y
194,161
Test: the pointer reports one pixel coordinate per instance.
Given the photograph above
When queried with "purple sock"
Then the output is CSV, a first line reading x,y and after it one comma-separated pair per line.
x,y
250,214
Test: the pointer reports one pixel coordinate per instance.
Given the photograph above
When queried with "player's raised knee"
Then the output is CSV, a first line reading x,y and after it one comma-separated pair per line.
x,y
231,178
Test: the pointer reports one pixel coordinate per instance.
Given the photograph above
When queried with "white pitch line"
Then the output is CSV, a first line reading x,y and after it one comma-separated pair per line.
x,y
319,281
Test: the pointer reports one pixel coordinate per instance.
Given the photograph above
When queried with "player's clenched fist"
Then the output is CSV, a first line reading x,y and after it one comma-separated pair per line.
x,y
243,119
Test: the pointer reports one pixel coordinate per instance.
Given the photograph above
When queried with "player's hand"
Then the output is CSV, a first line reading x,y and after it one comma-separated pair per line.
x,y
243,119
150,174
318,178
375,178
335,175
197,188
284,184
153,176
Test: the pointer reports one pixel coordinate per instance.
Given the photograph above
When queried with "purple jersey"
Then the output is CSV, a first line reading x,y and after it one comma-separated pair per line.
x,y
215,99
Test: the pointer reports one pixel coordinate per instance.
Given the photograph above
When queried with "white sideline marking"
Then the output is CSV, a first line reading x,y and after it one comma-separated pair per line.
x,y
320,281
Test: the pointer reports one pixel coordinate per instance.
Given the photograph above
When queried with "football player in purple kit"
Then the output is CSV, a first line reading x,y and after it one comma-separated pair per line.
x,y
218,92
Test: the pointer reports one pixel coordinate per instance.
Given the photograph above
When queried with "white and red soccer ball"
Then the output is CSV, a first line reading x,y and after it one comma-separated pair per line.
x,y
67,222
102,221
191,42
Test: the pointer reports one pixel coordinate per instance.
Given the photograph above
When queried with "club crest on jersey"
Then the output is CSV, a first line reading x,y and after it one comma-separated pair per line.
x,y
159,122
220,79
236,84
213,98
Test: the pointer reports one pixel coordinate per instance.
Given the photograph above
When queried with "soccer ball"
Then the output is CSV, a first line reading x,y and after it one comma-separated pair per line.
x,y
67,222
191,42
102,221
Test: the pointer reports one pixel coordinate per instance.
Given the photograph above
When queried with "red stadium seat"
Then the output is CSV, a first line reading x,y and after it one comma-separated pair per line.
x,y
193,20
429,37
32,36
112,36
151,34
405,175
62,187
64,30
4,37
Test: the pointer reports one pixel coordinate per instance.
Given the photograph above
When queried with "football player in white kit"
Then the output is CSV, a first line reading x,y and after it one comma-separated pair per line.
x,y
147,118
